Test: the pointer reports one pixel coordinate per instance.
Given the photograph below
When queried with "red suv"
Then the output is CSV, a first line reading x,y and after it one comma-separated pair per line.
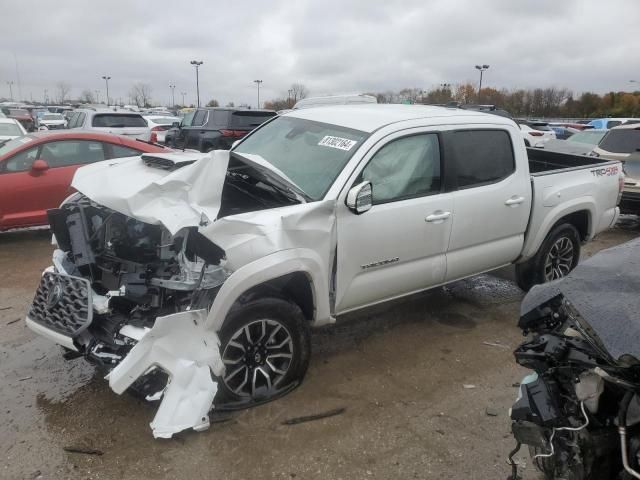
x,y
36,170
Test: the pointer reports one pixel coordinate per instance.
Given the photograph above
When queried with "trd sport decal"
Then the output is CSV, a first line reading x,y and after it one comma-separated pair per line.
x,y
605,172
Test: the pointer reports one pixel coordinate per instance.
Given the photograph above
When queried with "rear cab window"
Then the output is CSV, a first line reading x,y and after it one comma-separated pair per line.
x,y
482,157
118,120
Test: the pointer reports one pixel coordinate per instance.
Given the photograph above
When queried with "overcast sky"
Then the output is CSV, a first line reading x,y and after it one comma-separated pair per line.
x,y
331,46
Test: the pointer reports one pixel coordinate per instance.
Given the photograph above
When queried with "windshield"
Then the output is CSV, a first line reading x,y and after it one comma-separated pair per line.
x,y
116,120
52,116
311,154
625,140
588,136
9,129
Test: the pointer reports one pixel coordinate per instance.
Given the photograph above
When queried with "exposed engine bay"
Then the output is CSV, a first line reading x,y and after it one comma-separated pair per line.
x,y
579,411
136,272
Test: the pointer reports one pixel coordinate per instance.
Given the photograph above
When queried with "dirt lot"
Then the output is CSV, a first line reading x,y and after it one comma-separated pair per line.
x,y
425,397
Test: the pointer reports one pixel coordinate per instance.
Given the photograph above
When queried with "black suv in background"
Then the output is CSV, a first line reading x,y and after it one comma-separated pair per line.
x,y
215,128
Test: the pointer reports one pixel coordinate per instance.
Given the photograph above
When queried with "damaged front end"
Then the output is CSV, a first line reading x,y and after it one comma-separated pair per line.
x,y
132,298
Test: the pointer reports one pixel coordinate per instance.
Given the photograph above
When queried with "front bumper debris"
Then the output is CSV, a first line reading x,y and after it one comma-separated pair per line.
x,y
189,354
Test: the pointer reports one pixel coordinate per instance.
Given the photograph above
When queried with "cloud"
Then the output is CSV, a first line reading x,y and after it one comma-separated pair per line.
x,y
332,46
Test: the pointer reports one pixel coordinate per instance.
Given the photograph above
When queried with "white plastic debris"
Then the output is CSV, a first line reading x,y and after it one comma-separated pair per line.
x,y
179,345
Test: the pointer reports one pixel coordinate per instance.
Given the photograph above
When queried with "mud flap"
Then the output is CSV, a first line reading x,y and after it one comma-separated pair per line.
x,y
179,345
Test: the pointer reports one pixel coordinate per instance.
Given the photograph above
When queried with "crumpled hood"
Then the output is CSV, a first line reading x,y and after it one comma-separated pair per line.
x,y
187,196
604,289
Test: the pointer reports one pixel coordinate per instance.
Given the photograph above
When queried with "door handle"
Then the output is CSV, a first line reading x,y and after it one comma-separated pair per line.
x,y
514,201
437,217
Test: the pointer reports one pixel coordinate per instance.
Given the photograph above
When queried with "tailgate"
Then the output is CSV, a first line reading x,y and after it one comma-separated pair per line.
x,y
134,132
592,189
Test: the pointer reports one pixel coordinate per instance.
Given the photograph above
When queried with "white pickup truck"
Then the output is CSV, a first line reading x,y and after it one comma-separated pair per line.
x,y
184,263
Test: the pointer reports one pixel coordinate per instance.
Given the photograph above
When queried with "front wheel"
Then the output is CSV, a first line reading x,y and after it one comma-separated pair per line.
x,y
557,256
265,346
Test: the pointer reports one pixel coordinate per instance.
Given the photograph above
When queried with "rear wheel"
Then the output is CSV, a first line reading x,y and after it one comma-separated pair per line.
x,y
265,347
557,256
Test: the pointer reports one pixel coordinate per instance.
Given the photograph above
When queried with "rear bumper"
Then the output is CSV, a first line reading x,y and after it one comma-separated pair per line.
x,y
630,202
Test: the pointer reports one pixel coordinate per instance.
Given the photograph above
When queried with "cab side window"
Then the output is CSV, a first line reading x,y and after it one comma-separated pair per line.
x,y
71,152
405,168
118,151
199,118
482,157
22,161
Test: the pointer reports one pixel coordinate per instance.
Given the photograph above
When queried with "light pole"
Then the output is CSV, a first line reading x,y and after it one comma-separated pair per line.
x,y
10,83
46,100
173,98
106,80
289,92
183,94
258,82
197,64
482,68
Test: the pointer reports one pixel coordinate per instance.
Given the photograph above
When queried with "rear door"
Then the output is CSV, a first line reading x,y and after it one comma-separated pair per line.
x,y
25,195
399,245
492,201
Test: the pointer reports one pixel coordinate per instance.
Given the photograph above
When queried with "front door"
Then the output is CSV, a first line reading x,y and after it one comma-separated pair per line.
x,y
195,131
399,245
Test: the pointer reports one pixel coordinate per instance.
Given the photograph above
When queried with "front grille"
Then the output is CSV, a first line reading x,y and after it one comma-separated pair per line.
x,y
62,303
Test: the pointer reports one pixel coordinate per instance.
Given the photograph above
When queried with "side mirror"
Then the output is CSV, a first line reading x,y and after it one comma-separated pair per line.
x,y
360,198
175,124
39,165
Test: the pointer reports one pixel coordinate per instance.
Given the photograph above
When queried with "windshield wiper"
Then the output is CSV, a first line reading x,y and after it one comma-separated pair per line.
x,y
2,142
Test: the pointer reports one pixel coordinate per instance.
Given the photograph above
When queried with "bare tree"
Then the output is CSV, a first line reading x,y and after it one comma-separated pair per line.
x,y
213,103
87,96
298,92
62,91
141,94
230,104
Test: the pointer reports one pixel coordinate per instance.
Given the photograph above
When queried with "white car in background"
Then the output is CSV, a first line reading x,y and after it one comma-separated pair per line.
x,y
535,134
159,124
619,142
107,120
10,129
52,121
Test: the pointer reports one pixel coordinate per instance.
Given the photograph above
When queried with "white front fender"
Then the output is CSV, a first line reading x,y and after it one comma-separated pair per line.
x,y
271,267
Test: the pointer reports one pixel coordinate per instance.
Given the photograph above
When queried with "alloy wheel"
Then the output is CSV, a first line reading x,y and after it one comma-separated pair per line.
x,y
559,259
257,358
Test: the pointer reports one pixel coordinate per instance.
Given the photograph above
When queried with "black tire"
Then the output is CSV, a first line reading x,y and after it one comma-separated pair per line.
x,y
535,270
273,314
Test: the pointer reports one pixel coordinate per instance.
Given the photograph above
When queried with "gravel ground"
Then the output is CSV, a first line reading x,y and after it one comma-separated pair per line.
x,y
424,395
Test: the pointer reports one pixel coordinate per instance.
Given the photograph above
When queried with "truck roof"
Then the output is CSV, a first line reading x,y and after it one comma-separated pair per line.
x,y
371,117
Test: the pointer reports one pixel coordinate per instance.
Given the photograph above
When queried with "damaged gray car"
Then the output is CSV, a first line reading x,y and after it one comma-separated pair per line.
x,y
194,278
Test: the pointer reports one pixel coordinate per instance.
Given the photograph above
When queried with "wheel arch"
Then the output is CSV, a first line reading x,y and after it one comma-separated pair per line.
x,y
580,214
298,275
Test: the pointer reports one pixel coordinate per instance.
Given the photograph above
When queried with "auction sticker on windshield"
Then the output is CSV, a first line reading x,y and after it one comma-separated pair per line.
x,y
337,142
